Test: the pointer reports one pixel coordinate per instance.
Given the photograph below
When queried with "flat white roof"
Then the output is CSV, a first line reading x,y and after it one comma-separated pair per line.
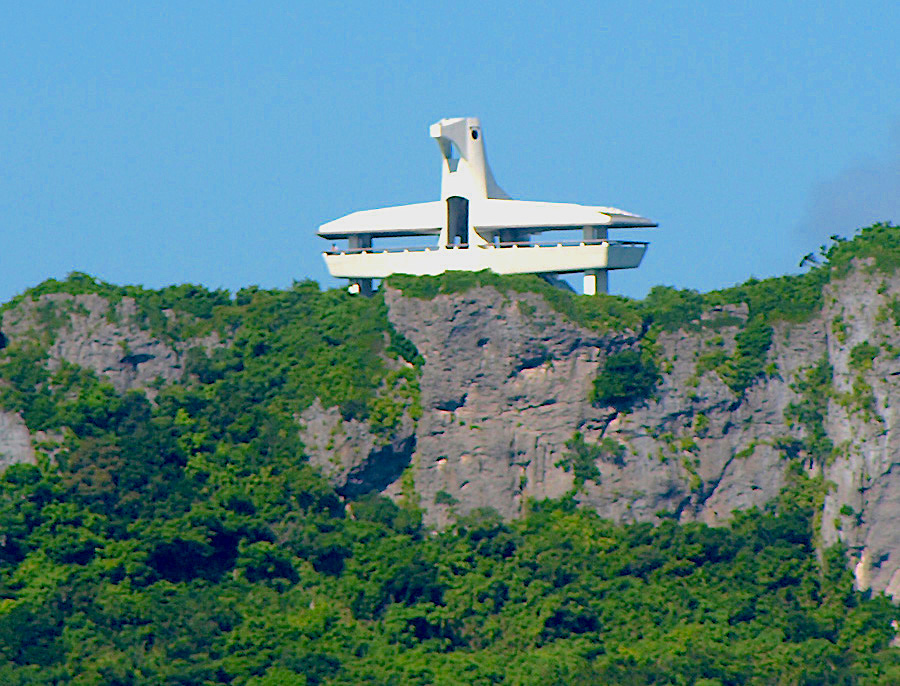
x,y
427,218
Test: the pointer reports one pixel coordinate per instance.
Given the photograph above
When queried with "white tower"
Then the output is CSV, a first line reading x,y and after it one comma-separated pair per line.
x,y
478,226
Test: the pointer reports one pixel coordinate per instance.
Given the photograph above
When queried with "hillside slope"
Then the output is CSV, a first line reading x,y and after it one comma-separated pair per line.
x,y
164,513
797,371
505,371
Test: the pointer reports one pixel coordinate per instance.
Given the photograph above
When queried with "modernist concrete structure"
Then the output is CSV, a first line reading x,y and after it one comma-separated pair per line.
x,y
478,226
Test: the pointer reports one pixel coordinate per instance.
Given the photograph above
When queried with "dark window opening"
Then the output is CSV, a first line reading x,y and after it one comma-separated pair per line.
x,y
457,221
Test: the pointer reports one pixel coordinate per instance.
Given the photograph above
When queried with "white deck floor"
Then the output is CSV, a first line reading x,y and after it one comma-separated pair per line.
x,y
560,258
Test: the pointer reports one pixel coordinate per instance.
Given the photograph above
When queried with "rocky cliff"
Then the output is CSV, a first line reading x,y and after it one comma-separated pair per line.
x,y
506,386
509,409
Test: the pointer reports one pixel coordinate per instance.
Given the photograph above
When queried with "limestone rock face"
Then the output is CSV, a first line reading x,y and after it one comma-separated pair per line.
x,y
863,508
15,441
506,383
505,386
89,331
353,457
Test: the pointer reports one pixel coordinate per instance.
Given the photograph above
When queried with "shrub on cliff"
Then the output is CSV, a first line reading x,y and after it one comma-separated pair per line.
x,y
627,379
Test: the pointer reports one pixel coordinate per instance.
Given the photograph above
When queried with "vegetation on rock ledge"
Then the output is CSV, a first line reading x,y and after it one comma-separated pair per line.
x,y
627,379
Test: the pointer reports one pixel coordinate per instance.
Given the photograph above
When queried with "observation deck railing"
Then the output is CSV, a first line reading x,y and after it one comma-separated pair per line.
x,y
484,246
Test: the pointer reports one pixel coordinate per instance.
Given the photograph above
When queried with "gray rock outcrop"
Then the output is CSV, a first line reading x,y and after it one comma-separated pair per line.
x,y
506,384
354,458
15,441
89,331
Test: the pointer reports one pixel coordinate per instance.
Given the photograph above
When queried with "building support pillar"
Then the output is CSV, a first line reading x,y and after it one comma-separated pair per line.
x,y
360,242
595,280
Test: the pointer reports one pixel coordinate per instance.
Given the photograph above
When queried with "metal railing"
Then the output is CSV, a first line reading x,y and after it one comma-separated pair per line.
x,y
486,246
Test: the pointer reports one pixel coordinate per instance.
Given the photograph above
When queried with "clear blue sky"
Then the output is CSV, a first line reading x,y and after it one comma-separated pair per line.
x,y
160,143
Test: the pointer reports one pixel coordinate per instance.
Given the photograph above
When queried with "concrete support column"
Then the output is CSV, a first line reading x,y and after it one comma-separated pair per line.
x,y
595,280
360,287
360,242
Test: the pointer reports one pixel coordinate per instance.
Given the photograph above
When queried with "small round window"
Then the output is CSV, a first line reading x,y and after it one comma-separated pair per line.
x,y
475,134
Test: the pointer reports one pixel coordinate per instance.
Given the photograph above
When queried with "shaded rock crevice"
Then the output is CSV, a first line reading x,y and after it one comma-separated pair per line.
x,y
381,468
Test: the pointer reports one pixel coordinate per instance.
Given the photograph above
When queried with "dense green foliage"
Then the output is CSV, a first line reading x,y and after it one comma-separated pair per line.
x,y
286,348
195,305
188,541
862,356
879,243
626,380
144,560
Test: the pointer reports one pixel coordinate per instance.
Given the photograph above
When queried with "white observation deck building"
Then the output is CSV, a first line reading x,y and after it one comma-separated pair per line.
x,y
478,226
